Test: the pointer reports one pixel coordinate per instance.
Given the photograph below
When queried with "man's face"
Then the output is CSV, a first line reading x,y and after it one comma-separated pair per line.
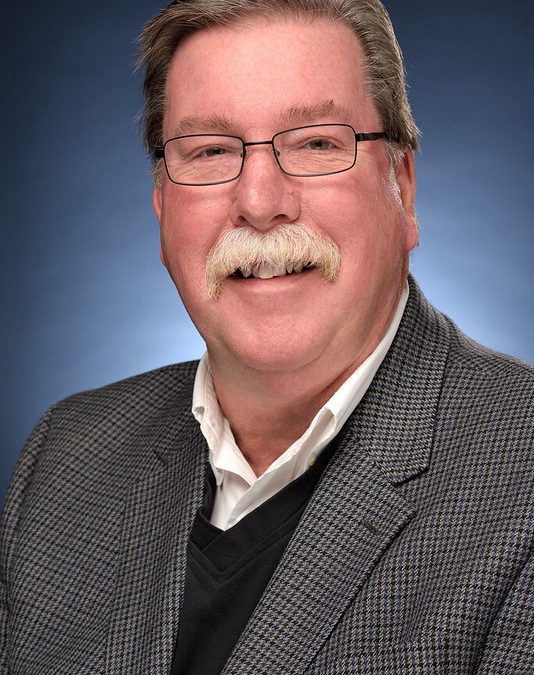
x,y
254,81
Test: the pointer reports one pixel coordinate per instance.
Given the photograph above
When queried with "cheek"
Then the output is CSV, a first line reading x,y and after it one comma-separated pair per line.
x,y
346,213
366,224
191,224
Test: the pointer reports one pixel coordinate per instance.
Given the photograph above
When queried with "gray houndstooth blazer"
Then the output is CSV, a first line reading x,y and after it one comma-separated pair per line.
x,y
414,555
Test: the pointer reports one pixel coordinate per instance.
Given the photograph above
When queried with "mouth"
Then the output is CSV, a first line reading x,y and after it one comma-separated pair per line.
x,y
269,271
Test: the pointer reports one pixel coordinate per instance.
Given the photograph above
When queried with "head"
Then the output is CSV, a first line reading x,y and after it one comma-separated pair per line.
x,y
251,70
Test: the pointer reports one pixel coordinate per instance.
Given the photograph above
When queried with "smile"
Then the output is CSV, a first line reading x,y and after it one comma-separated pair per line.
x,y
269,271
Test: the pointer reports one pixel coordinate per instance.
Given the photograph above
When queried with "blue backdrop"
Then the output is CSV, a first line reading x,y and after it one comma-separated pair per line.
x,y
85,298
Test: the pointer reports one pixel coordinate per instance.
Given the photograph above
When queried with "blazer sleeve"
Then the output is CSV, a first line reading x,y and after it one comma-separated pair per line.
x,y
13,511
509,648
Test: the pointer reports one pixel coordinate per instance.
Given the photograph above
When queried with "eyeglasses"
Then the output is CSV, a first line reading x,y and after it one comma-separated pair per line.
x,y
212,159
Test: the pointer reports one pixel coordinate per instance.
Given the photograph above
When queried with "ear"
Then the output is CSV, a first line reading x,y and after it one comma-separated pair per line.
x,y
157,200
157,206
405,173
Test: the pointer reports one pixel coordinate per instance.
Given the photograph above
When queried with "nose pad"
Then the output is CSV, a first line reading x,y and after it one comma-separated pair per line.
x,y
245,155
252,143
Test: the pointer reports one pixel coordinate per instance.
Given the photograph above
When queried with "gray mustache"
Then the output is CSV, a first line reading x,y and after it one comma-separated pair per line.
x,y
291,245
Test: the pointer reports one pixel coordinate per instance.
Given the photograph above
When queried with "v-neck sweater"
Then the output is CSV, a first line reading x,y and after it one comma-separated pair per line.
x,y
228,571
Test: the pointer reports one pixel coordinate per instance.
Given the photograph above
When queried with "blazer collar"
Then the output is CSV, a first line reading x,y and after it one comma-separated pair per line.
x,y
395,420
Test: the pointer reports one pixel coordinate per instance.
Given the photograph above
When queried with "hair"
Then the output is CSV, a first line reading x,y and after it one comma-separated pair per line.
x,y
368,20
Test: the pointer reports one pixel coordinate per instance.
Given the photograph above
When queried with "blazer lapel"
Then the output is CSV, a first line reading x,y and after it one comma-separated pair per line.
x,y
349,523
158,516
356,512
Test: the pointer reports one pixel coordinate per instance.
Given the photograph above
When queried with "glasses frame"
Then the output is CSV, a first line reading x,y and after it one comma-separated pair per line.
x,y
159,152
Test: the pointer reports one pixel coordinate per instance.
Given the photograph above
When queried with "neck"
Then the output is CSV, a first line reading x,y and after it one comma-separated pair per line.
x,y
287,407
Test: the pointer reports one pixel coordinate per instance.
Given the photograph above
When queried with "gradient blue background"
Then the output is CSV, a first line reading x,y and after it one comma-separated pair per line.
x,y
85,298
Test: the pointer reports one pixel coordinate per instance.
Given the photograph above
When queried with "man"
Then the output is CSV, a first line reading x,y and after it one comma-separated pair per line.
x,y
342,485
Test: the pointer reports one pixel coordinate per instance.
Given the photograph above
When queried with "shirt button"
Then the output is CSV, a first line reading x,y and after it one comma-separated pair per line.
x,y
311,460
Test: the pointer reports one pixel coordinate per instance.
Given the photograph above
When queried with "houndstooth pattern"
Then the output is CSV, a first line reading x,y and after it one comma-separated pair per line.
x,y
414,555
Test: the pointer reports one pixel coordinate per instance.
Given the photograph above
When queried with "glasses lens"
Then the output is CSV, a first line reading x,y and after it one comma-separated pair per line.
x,y
316,150
203,159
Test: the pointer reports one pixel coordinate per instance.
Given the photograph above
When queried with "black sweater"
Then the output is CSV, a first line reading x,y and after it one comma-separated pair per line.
x,y
227,571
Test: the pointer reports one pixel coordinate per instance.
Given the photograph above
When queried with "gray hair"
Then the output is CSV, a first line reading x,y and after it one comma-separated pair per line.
x,y
368,19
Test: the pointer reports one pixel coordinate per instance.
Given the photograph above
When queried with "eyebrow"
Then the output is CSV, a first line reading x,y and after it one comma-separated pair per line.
x,y
201,123
299,114
296,114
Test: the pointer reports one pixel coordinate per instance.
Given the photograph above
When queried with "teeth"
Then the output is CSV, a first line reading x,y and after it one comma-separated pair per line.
x,y
269,271
263,272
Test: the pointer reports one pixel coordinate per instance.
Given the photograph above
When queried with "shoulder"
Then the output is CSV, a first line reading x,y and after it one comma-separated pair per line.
x,y
500,384
469,371
122,420
105,437
484,428
481,401
134,398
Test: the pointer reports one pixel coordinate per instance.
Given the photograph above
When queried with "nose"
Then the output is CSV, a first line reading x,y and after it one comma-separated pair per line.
x,y
264,196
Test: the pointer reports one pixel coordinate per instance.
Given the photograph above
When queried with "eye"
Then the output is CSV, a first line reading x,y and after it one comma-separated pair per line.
x,y
319,144
211,151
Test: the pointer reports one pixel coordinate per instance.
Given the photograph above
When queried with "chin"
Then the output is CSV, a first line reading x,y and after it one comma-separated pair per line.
x,y
271,355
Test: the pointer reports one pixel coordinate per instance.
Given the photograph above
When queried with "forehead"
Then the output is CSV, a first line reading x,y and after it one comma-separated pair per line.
x,y
265,72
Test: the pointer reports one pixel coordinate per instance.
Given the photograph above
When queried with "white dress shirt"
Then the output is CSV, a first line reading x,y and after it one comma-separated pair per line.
x,y
238,490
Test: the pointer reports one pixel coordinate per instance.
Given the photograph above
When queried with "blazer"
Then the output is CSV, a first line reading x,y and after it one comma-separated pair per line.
x,y
414,555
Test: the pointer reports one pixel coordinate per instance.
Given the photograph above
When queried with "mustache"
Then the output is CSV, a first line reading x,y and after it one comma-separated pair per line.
x,y
289,246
